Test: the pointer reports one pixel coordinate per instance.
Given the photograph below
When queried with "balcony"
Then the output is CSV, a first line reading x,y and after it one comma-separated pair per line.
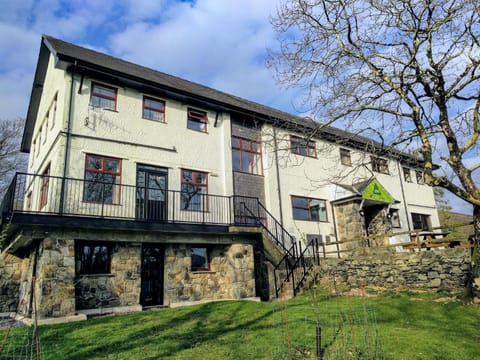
x,y
59,200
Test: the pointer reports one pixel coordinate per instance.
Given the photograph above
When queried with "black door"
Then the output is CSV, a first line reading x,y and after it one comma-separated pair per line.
x,y
152,275
151,193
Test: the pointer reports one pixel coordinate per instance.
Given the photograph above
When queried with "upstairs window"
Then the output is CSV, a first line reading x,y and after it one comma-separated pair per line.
x,y
407,176
197,120
246,156
45,180
419,177
104,97
194,190
92,257
345,157
200,259
102,179
303,147
379,165
309,209
153,109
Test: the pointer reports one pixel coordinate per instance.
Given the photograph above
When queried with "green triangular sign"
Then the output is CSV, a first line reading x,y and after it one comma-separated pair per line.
x,y
375,191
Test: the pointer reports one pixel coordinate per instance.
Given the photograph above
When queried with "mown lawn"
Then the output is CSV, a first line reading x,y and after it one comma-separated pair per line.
x,y
389,327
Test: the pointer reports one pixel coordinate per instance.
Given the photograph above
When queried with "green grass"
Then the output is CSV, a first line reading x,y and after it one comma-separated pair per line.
x,y
390,327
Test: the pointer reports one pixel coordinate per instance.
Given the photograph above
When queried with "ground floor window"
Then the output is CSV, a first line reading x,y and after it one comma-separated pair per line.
x,y
394,218
421,221
200,259
309,209
92,257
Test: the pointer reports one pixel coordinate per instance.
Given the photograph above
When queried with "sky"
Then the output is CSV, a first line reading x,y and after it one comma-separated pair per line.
x,y
218,43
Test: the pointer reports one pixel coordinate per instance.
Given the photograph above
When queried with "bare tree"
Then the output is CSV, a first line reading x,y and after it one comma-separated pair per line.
x,y
407,72
11,160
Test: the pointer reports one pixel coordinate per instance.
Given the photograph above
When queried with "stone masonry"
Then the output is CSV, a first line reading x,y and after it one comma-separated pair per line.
x,y
231,274
447,269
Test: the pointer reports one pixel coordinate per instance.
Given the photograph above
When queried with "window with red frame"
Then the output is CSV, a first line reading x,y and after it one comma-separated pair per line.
x,y
153,109
194,190
379,165
309,209
246,156
102,179
303,147
197,120
45,179
104,97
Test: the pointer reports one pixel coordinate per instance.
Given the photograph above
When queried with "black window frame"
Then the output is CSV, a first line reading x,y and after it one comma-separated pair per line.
x,y
86,257
407,174
205,265
379,165
424,220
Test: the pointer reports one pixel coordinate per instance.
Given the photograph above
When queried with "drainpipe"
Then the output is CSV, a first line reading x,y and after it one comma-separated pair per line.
x,y
277,168
403,195
68,138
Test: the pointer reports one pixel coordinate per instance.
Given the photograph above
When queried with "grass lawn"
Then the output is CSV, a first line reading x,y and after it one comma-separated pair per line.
x,y
384,327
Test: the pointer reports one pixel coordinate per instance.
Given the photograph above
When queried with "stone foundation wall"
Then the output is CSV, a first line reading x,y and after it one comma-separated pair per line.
x,y
119,288
435,270
231,274
11,270
54,290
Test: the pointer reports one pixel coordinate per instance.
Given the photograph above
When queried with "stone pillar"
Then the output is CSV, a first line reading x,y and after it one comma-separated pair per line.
x,y
350,224
11,270
54,294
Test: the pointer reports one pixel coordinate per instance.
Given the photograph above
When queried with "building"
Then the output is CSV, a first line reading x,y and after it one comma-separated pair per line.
x,y
144,189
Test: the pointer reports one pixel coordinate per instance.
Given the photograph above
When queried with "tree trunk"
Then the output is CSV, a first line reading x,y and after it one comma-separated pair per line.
x,y
476,255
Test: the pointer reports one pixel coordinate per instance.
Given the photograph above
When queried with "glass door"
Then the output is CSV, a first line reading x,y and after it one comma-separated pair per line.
x,y
152,193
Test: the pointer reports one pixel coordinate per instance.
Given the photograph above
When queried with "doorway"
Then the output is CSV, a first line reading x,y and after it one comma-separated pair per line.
x,y
152,275
152,195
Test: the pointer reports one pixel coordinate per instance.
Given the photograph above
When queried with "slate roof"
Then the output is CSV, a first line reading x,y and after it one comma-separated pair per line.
x,y
90,58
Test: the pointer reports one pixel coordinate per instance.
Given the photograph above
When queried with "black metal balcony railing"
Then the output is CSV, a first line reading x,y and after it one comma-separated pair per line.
x,y
30,193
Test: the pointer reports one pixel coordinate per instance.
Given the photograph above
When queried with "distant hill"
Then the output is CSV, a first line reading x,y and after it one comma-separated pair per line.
x,y
448,219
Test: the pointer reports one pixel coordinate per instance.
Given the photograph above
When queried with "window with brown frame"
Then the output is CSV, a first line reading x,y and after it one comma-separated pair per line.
x,y
305,208
379,165
104,97
247,156
303,147
102,179
153,109
44,182
197,120
419,177
407,176
345,157
194,190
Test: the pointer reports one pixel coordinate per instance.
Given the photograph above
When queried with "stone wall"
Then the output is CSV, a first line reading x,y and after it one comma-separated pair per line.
x,y
11,270
350,225
55,274
447,269
119,288
231,274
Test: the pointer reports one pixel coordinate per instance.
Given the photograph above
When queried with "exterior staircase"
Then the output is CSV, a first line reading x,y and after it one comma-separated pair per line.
x,y
293,266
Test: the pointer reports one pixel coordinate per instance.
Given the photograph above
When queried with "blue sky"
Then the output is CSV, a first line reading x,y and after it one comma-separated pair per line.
x,y
218,43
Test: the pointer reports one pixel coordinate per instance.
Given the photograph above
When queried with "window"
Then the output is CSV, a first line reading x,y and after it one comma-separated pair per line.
x,y
200,260
45,129
379,165
44,181
92,257
194,190
29,200
102,179
53,112
345,157
407,176
103,97
302,147
197,120
247,156
421,222
309,209
153,109
419,177
394,218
